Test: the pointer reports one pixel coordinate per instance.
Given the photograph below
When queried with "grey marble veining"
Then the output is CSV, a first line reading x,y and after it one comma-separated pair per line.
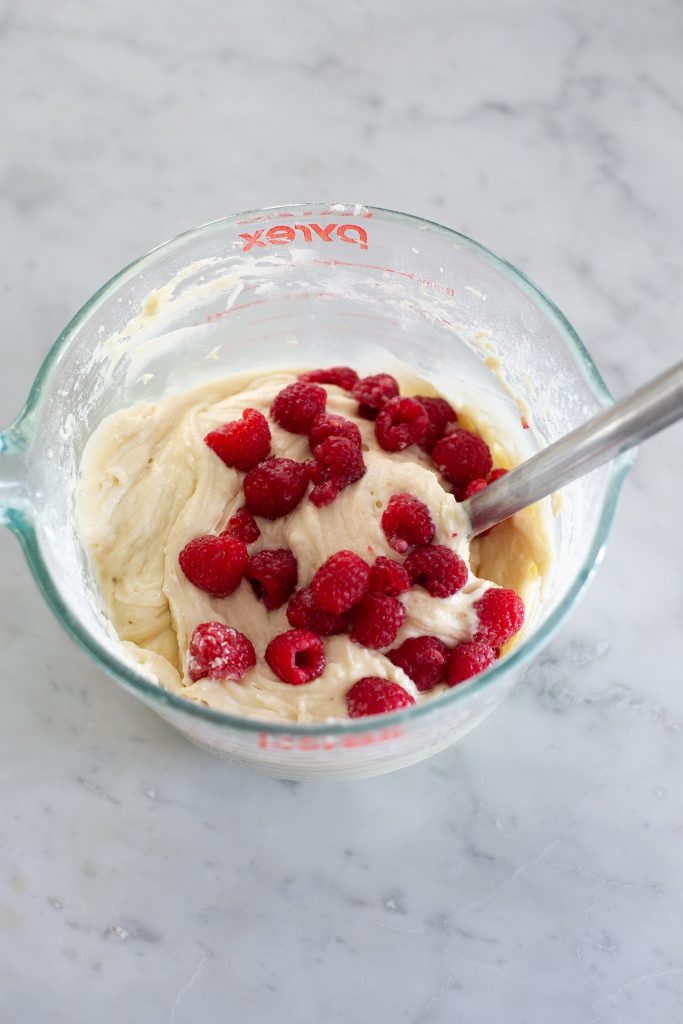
x,y
532,873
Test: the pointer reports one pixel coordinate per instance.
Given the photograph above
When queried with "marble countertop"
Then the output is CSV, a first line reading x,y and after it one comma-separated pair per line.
x,y
530,874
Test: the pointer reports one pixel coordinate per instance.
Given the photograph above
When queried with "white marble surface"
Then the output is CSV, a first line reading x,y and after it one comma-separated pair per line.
x,y
531,874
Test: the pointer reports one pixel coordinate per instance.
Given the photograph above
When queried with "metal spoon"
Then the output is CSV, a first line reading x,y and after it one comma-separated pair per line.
x,y
647,411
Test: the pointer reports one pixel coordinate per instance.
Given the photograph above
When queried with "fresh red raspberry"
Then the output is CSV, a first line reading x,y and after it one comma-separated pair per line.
x,y
468,659
462,493
424,659
376,620
400,423
243,526
297,406
462,456
303,613
242,443
473,487
372,393
343,376
340,582
214,564
406,521
440,414
336,463
296,657
374,696
388,577
329,425
438,569
218,652
273,576
275,487
501,615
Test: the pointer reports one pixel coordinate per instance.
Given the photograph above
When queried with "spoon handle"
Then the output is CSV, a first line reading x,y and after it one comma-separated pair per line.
x,y
648,410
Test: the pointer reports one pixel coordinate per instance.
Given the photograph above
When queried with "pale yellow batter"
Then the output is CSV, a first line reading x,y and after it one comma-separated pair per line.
x,y
149,484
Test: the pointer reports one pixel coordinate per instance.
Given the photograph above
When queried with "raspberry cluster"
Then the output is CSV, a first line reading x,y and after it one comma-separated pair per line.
x,y
346,594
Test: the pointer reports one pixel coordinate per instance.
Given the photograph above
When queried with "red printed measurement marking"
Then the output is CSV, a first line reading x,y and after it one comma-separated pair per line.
x,y
390,270
212,317
234,309
268,742
284,234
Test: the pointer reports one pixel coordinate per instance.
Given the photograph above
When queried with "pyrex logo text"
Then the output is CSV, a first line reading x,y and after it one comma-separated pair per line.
x,y
283,234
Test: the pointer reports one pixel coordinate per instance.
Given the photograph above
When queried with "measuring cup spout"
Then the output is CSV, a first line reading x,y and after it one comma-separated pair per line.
x,y
13,499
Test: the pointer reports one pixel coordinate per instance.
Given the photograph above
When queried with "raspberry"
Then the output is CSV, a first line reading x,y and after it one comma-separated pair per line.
x,y
296,657
329,425
243,526
241,443
400,423
372,393
468,659
297,406
388,577
376,620
218,652
303,613
214,564
374,696
336,463
340,582
501,615
273,576
275,487
462,456
424,659
438,569
343,376
406,521
440,414
462,493
473,487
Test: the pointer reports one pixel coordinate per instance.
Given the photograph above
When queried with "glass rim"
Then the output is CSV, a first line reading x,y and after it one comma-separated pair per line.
x,y
155,694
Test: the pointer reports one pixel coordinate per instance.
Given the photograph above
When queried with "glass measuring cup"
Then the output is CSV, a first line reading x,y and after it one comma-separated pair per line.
x,y
305,286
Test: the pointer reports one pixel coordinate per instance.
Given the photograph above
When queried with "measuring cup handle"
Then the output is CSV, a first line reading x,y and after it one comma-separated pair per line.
x,y
13,497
